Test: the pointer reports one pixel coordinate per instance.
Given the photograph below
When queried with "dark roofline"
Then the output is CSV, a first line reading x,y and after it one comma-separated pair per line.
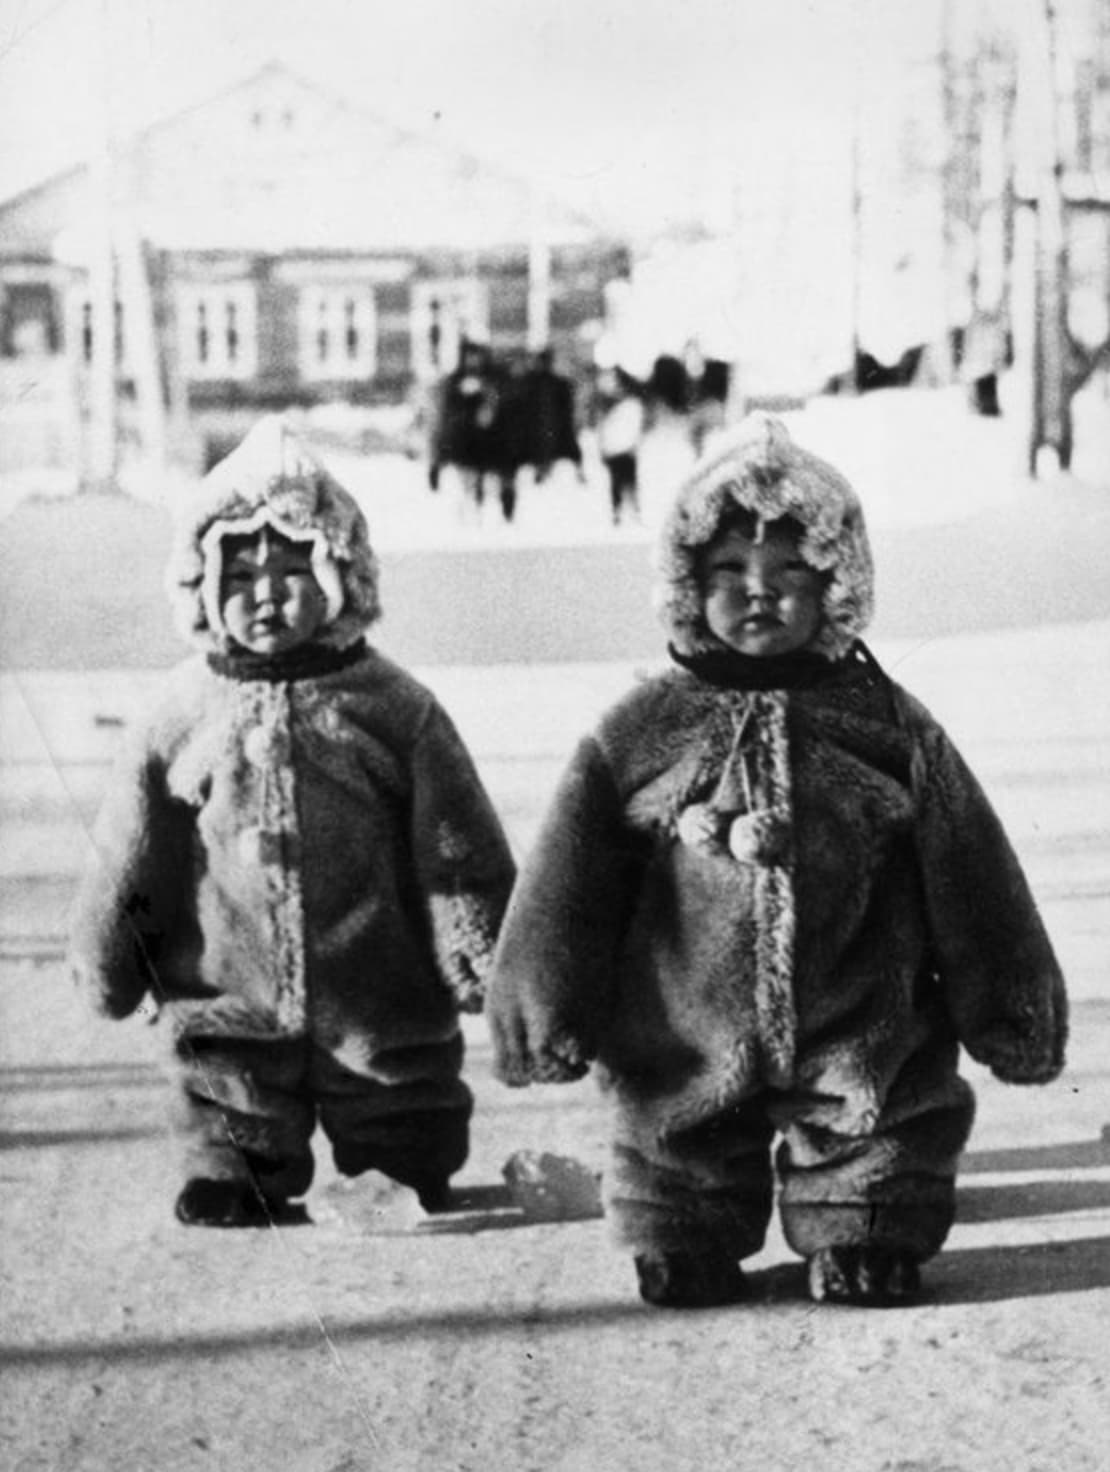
x,y
274,65
71,171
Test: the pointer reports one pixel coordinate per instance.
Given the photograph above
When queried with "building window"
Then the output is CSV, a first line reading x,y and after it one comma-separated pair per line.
x,y
442,314
81,330
338,332
263,121
28,320
216,330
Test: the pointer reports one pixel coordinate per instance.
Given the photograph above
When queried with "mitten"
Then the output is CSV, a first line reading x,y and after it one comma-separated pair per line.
x,y
522,1057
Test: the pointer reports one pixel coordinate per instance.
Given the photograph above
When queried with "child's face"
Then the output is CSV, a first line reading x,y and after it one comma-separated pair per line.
x,y
761,597
270,599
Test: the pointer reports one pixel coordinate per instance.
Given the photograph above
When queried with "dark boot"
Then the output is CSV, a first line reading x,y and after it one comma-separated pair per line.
x,y
865,1274
434,1195
205,1203
683,1280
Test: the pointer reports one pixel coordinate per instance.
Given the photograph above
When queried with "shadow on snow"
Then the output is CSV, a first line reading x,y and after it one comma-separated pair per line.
x,y
980,1275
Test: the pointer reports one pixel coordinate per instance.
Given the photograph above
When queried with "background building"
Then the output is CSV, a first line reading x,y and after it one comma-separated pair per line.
x,y
276,245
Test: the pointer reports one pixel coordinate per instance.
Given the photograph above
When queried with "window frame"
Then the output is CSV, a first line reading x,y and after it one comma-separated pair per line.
x,y
467,298
336,309
226,306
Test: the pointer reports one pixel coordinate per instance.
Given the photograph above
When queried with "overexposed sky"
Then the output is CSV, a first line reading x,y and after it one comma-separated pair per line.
x,y
626,102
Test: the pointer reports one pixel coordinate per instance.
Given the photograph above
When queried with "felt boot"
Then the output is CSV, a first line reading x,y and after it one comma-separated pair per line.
x,y
868,1275
205,1203
434,1195
683,1280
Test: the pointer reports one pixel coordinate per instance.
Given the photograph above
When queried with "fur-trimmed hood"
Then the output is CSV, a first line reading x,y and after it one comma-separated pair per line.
x,y
271,479
759,467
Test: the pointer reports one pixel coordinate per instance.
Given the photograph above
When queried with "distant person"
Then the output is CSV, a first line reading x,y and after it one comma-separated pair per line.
x,y
984,355
510,441
469,429
668,385
462,417
771,899
549,406
297,866
707,389
620,432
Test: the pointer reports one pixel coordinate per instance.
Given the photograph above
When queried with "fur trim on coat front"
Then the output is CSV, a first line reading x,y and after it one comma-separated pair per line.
x,y
276,859
798,887
706,922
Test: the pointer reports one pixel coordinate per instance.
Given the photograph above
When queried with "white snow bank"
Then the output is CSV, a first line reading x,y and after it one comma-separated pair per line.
x,y
917,457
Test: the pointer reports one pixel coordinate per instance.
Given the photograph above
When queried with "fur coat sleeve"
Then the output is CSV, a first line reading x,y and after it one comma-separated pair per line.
x,y
553,969
1001,980
128,896
461,856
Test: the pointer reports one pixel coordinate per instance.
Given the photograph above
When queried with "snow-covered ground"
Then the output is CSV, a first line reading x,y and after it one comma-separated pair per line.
x,y
916,456
484,1340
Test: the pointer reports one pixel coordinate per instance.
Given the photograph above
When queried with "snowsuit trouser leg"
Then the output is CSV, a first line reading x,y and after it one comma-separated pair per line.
x,y
246,1110
415,1130
892,1184
243,1113
703,1189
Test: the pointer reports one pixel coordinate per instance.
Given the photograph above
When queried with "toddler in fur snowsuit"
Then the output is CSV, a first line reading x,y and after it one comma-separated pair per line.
x,y
297,860
770,900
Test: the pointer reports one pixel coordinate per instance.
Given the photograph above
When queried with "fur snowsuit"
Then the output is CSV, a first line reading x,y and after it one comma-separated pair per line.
x,y
298,862
770,898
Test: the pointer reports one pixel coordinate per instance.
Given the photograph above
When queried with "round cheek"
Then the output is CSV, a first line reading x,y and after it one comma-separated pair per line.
x,y
719,613
235,609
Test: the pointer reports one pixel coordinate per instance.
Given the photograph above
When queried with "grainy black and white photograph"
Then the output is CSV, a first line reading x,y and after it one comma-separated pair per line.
x,y
554,735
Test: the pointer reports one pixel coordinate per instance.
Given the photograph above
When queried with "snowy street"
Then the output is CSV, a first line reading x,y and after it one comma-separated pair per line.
x,y
375,1338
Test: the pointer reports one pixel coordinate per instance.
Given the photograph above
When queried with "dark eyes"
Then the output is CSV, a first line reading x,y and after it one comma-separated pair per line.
x,y
728,570
247,574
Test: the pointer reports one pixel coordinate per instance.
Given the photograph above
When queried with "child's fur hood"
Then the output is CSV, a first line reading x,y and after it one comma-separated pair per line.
x,y
760,468
271,479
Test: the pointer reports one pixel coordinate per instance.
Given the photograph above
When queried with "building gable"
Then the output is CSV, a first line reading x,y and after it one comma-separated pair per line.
x,y
280,164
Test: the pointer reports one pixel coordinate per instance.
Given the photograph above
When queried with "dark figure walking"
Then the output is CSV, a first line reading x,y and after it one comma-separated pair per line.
x,y
620,429
548,404
470,430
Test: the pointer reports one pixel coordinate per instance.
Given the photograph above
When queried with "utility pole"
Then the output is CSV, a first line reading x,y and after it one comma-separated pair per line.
x,y
539,271
144,360
1051,419
861,30
855,169
102,444
950,187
